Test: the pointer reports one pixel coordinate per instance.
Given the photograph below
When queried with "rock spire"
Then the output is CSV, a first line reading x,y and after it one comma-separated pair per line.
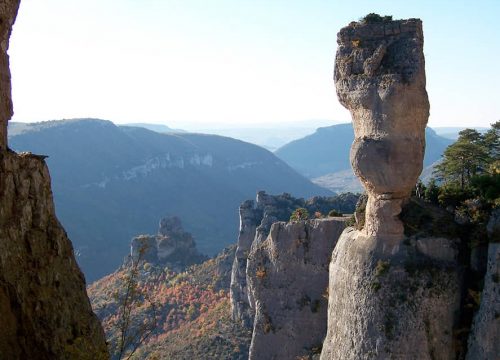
x,y
380,79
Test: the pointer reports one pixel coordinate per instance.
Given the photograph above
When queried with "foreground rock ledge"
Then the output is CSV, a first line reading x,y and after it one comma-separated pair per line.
x,y
44,309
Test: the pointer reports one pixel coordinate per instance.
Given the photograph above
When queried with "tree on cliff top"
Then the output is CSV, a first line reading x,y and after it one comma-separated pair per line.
x,y
470,155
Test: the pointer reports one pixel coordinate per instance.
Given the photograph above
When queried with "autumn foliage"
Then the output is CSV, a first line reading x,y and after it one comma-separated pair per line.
x,y
192,309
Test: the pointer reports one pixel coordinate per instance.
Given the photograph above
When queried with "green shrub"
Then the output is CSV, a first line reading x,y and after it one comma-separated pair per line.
x,y
375,18
299,214
432,192
334,213
487,186
453,195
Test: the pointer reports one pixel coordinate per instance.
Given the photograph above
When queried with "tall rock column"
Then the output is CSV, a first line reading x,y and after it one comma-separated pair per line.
x,y
44,309
380,79
394,290
250,217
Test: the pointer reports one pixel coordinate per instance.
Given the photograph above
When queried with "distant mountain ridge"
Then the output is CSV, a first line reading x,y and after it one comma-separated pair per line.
x,y
156,127
451,132
324,155
111,183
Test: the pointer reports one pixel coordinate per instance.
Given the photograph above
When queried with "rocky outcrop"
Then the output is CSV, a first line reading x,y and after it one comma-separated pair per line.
x,y
44,309
402,307
250,217
256,219
395,291
287,277
380,79
172,246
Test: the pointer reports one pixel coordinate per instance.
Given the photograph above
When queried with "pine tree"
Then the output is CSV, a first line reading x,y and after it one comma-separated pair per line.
x,y
467,157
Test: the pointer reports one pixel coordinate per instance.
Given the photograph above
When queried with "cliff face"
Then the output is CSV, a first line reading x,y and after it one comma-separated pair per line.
x,y
391,294
287,276
240,307
402,307
44,307
43,303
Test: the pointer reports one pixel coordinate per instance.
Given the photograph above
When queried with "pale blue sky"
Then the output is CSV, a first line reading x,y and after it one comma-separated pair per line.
x,y
190,63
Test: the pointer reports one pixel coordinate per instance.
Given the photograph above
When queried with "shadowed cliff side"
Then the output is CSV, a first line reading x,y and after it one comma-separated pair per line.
x,y
44,310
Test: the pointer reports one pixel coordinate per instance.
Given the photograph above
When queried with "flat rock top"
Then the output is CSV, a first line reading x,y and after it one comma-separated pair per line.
x,y
378,30
381,48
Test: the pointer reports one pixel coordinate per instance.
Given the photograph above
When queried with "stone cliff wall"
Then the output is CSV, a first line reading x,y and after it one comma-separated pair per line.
x,y
401,307
287,275
44,309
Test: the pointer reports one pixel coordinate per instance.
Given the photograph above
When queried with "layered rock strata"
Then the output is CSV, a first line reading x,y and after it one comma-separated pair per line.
x,y
172,246
287,275
44,309
391,296
380,79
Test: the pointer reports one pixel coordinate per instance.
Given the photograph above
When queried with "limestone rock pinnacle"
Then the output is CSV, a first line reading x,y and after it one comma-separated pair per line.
x,y
391,296
380,79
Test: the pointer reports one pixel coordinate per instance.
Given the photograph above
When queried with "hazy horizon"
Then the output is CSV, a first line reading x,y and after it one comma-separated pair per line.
x,y
233,63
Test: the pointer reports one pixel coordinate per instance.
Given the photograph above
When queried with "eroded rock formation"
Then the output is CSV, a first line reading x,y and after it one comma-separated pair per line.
x,y
287,276
256,219
250,217
380,79
172,246
392,295
44,309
